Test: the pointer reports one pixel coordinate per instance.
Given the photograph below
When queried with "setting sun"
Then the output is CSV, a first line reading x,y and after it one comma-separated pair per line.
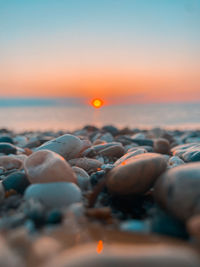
x,y
97,103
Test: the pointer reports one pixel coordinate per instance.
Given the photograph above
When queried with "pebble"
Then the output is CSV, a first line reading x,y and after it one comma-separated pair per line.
x,y
187,152
193,226
16,181
142,142
161,146
6,139
54,195
175,161
10,163
136,175
68,146
45,166
89,165
178,191
83,179
111,129
130,154
7,148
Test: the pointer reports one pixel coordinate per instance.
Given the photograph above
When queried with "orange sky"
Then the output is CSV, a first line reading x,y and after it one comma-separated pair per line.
x,y
128,50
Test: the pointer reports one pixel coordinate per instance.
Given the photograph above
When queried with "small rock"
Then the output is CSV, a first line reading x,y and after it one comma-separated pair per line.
x,y
178,190
54,195
175,161
130,154
6,139
46,166
7,148
89,165
161,146
83,179
136,175
16,181
68,146
10,163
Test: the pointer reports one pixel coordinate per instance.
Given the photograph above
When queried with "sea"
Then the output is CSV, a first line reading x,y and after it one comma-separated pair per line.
x,y
69,114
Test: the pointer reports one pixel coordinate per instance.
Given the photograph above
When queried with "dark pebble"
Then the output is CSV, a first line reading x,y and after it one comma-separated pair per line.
x,y
54,217
143,142
7,148
6,139
16,181
164,224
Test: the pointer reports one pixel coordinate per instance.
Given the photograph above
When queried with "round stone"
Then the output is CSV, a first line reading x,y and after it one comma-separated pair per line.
x,y
136,175
54,195
178,190
16,181
46,166
161,146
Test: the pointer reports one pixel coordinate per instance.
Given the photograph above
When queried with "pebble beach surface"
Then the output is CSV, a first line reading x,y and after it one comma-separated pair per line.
x,y
99,197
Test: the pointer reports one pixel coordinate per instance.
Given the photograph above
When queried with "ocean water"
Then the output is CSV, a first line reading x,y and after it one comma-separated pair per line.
x,y
47,114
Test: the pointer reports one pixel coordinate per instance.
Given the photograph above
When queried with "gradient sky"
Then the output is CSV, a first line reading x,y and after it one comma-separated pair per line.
x,y
137,50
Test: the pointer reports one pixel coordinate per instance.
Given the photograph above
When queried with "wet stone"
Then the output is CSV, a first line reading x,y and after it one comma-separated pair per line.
x,y
16,181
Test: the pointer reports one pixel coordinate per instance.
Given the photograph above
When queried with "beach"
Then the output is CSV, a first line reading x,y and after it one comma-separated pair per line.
x,y
70,198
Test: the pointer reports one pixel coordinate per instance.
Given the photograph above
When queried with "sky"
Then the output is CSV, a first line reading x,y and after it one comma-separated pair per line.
x,y
121,50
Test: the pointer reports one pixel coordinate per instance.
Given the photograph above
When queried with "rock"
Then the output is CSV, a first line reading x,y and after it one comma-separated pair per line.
x,y
68,146
135,175
161,146
83,179
46,166
107,137
135,226
54,195
138,136
6,139
7,148
142,142
112,151
178,190
16,181
188,152
21,140
120,254
89,165
193,226
175,161
111,129
131,153
10,163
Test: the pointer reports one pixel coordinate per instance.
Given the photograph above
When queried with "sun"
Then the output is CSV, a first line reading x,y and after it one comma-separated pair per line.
x,y
97,103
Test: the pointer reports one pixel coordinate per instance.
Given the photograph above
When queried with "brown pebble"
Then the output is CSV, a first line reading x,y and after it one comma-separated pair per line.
x,y
46,166
161,146
89,165
136,175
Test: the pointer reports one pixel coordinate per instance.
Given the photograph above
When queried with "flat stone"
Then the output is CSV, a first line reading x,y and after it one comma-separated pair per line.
x,y
178,190
187,152
54,195
7,148
136,175
46,166
68,146
89,165
175,161
6,139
